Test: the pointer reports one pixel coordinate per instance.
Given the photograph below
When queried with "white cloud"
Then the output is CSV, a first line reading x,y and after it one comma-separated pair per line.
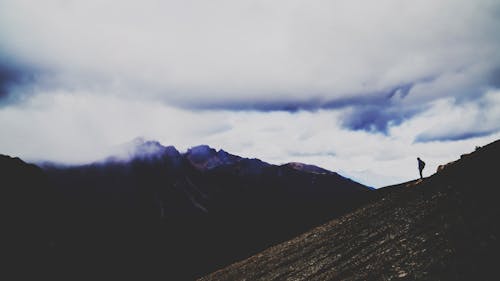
x,y
447,119
220,51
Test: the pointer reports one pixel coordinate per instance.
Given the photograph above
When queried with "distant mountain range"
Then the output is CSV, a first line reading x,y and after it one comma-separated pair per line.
x,y
161,214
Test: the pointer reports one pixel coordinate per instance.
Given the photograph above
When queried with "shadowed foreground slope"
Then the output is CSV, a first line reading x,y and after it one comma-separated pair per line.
x,y
445,227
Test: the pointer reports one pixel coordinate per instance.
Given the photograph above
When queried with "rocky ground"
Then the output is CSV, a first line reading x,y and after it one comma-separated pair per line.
x,y
444,227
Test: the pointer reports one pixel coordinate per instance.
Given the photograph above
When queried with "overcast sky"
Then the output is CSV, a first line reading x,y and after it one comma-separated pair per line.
x,y
357,87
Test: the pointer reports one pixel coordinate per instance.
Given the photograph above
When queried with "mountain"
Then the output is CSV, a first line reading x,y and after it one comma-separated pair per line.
x,y
26,199
152,212
444,227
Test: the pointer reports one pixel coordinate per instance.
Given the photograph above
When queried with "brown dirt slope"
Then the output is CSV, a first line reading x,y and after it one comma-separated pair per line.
x,y
445,227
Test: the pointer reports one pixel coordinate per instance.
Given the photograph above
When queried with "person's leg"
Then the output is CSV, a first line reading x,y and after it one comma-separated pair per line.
x,y
420,174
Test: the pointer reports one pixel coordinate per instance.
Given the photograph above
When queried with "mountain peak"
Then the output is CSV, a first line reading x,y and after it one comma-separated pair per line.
x,y
201,151
142,149
203,157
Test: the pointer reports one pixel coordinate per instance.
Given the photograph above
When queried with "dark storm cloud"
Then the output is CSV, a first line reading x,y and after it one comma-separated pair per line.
x,y
376,119
454,136
377,113
495,78
253,105
19,81
10,78
380,99
371,112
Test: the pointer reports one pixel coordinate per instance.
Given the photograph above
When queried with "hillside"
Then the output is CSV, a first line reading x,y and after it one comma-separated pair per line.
x,y
445,227
27,202
156,213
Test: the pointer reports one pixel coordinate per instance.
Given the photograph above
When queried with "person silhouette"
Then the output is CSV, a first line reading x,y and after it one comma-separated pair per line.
x,y
421,165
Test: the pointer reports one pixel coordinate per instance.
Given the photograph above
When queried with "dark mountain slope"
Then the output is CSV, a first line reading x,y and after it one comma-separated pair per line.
x,y
445,227
27,204
156,213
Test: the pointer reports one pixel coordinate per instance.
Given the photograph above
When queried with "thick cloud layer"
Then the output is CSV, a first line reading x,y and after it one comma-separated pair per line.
x,y
412,72
230,52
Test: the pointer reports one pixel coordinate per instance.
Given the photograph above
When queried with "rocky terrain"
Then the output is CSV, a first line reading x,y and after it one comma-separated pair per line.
x,y
445,227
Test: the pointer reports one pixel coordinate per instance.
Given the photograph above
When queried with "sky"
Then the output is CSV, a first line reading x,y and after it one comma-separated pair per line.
x,y
362,88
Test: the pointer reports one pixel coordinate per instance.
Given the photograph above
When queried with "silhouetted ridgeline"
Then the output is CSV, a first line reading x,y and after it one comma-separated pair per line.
x,y
160,214
445,227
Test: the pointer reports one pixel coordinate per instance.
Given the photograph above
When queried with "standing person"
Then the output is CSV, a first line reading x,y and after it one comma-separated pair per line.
x,y
421,165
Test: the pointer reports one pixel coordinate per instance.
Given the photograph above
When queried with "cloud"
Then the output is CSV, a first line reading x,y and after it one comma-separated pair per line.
x,y
450,120
376,119
6,78
455,136
14,83
495,78
261,55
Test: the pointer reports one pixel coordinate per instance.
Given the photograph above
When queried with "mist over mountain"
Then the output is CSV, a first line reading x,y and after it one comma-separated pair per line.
x,y
155,213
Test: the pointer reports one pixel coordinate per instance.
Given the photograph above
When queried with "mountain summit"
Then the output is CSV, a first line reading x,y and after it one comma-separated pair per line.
x,y
206,158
